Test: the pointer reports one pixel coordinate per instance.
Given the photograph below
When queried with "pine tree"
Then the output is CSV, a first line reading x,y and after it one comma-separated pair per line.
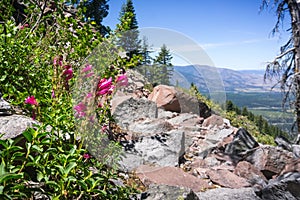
x,y
145,64
128,30
163,64
96,10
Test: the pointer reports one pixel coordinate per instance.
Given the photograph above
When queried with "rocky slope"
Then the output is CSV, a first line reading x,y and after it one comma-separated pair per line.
x,y
178,149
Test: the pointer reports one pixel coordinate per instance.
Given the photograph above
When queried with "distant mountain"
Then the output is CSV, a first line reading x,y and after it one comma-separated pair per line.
x,y
208,78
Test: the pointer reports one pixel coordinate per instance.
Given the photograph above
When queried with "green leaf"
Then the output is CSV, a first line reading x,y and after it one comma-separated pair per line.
x,y
83,184
53,184
69,167
10,176
28,135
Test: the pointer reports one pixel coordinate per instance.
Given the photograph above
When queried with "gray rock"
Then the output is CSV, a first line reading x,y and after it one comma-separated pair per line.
x,y
228,194
14,125
186,119
149,127
283,143
5,107
161,149
242,144
296,150
285,187
131,109
163,114
165,192
218,135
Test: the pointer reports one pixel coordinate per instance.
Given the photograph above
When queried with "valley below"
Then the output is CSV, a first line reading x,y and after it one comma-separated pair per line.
x,y
245,88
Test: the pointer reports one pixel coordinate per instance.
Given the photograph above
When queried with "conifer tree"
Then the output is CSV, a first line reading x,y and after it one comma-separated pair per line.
x,y
96,10
128,30
163,65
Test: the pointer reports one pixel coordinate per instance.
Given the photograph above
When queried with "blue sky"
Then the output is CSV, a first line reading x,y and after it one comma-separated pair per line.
x,y
233,33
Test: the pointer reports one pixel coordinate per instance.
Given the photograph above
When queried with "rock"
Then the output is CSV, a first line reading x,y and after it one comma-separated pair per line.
x,y
14,125
296,150
216,135
205,148
5,107
283,143
228,194
131,109
213,120
242,144
174,100
163,114
285,187
292,166
171,176
161,149
165,96
270,160
166,192
205,111
136,81
149,127
225,178
251,173
186,119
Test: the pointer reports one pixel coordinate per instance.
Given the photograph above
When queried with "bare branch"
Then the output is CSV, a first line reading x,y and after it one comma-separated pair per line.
x,y
284,53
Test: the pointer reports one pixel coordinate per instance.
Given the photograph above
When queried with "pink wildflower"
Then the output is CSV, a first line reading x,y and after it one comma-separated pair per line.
x,y
89,95
87,68
68,73
122,80
104,128
23,26
89,75
53,94
31,100
105,86
80,110
86,156
58,61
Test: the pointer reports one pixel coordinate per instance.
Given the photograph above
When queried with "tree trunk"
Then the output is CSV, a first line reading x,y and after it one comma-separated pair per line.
x,y
294,8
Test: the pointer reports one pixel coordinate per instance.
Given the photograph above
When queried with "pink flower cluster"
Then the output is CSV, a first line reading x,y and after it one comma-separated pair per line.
x,y
104,87
31,100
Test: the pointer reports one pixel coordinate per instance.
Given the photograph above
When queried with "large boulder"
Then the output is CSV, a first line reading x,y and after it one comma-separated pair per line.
x,y
171,176
172,99
163,149
285,187
14,125
226,178
270,160
128,109
243,144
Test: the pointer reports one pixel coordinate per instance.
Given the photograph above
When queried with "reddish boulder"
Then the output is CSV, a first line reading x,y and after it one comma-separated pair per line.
x,y
228,179
165,96
171,176
248,171
172,99
213,120
270,160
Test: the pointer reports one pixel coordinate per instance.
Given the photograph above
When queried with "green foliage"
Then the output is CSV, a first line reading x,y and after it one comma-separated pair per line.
x,y
40,58
95,11
40,163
